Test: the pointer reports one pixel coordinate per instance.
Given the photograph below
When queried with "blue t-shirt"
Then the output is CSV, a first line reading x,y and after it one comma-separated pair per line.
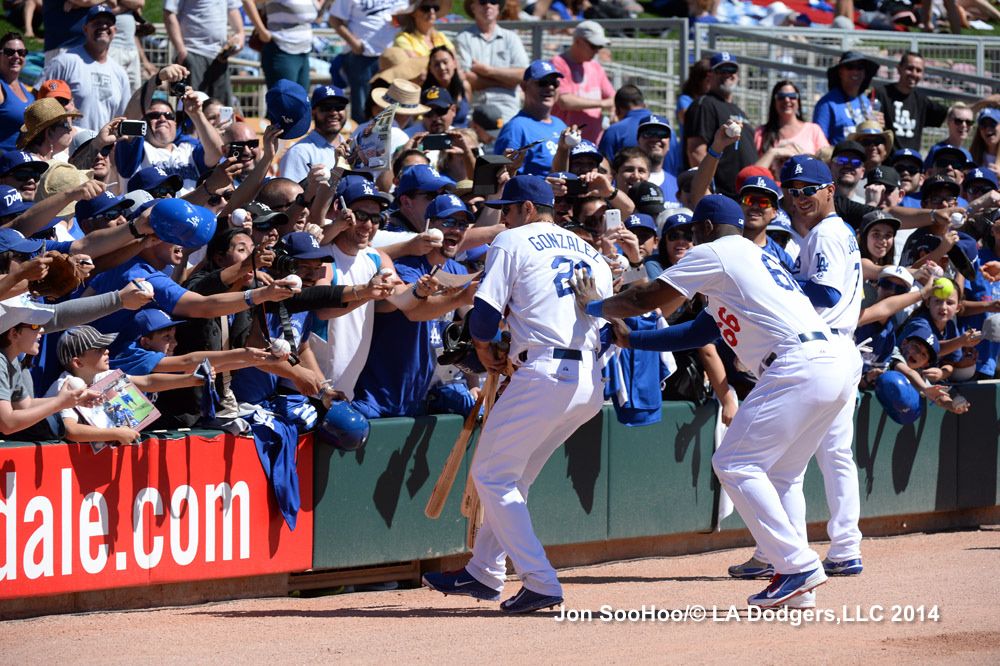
x,y
882,343
639,373
982,290
622,134
838,117
166,293
523,130
395,380
910,201
134,360
253,385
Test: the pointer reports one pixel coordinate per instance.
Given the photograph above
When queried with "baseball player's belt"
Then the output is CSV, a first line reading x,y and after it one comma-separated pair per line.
x,y
803,338
558,354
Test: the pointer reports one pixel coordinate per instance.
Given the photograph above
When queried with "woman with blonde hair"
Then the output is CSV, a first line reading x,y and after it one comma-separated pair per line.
x,y
418,36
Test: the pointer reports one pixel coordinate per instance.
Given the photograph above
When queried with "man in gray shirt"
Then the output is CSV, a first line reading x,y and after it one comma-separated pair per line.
x,y
197,29
492,58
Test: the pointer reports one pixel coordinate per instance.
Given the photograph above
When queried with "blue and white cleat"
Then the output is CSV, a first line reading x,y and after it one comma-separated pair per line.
x,y
842,568
527,601
787,586
752,568
459,583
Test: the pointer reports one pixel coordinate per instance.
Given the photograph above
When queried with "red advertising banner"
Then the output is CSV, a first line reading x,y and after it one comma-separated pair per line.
x,y
167,510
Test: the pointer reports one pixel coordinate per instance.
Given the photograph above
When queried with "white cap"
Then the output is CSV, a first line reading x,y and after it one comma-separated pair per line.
x,y
898,272
22,310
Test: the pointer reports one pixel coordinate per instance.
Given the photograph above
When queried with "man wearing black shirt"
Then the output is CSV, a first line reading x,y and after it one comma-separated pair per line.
x,y
907,111
708,113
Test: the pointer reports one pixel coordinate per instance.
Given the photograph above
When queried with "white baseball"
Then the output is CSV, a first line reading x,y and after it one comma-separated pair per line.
x,y
294,281
385,271
75,383
573,139
280,347
145,286
957,220
958,403
937,271
238,217
324,173
436,234
734,131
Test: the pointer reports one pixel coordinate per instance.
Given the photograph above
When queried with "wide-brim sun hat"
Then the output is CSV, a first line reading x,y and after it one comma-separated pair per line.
x,y
405,94
41,115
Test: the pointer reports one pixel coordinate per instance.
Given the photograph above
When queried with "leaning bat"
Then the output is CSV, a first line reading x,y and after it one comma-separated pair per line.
x,y
447,477
489,389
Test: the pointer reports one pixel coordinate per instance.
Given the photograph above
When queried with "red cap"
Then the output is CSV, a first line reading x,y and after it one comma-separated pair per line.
x,y
751,170
54,88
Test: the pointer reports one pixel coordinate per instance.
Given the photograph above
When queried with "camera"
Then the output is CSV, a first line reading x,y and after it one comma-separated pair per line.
x,y
283,264
576,187
178,88
436,142
132,128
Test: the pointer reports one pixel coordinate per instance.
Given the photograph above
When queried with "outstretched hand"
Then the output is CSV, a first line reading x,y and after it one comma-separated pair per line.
x,y
584,288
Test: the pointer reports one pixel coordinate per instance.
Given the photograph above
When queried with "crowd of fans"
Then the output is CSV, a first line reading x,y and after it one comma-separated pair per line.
x,y
324,286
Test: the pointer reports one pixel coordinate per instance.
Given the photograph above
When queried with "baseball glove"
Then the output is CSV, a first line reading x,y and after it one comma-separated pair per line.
x,y
458,348
64,275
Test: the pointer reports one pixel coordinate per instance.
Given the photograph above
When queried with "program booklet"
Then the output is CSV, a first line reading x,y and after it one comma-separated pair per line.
x,y
119,405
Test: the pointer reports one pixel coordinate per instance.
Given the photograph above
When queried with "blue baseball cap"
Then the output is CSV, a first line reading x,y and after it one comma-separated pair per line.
x,y
565,175
947,150
476,253
761,184
358,188
719,209
446,205
907,155
151,320
525,188
98,11
805,169
679,219
11,202
641,220
653,121
303,245
13,240
288,108
153,177
927,242
323,93
585,148
990,113
540,69
425,178
103,202
781,222
436,97
722,58
980,174
920,329
13,159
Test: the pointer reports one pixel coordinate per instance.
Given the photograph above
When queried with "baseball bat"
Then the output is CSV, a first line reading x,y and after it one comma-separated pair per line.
x,y
475,506
447,477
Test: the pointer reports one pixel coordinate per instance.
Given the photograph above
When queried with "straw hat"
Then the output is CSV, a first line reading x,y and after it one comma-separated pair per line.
x,y
60,177
415,4
39,116
395,63
871,128
404,93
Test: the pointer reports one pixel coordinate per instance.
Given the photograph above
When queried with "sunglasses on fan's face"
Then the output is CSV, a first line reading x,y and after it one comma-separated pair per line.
x,y
156,115
893,286
853,162
10,53
783,96
680,234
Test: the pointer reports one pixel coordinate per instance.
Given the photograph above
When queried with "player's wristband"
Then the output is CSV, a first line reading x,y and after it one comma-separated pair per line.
x,y
415,294
132,229
248,297
714,154
594,308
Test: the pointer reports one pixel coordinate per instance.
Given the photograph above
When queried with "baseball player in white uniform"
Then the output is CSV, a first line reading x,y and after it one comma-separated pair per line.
x,y
763,315
556,389
828,268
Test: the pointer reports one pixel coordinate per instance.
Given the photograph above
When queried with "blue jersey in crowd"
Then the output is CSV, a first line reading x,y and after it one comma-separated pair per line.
x,y
523,130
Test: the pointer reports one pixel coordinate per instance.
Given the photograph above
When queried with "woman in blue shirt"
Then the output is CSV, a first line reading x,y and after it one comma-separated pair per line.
x,y
845,106
14,97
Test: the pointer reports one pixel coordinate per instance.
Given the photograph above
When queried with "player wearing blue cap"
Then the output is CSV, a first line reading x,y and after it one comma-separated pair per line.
x,y
759,310
556,389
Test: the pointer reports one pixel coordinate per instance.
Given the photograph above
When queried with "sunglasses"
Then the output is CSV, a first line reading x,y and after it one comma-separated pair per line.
x,y
869,143
968,122
33,327
216,199
890,285
949,199
729,69
107,215
106,151
781,96
806,191
658,135
437,112
327,107
977,190
10,53
299,200
24,175
910,169
506,208
156,115
677,234
490,2
365,216
854,66
251,144
427,9
761,201
853,162
551,82
948,164
264,226
162,192
63,125
451,223
987,123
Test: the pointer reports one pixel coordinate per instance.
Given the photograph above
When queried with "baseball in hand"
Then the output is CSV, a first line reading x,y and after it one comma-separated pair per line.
x,y
733,131
959,402
75,383
436,234
957,220
280,347
238,217
294,282
385,271
943,287
145,286
935,270
573,139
